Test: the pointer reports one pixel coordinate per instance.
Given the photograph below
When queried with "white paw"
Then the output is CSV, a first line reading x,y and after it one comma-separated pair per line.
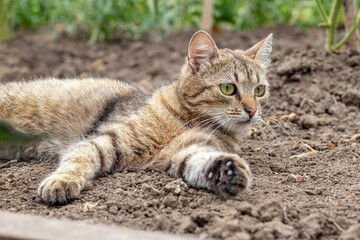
x,y
60,188
228,175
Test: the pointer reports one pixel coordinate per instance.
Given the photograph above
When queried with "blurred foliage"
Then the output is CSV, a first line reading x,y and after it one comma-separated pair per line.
x,y
11,136
101,19
330,21
5,18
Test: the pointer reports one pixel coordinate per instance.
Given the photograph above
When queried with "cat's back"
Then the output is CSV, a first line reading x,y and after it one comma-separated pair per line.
x,y
69,107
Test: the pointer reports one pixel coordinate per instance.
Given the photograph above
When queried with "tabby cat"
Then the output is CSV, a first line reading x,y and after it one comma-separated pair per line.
x,y
189,129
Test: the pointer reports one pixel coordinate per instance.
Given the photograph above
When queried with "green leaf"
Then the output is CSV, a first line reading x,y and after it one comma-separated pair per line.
x,y
10,136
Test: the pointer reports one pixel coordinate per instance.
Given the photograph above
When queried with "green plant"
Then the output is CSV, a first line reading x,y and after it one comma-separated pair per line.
x,y
11,136
5,18
330,23
102,20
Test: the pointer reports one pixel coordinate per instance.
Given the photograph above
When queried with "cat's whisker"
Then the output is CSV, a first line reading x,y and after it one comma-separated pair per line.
x,y
288,125
202,114
271,129
281,126
207,139
296,133
229,127
233,123
210,121
277,122
262,132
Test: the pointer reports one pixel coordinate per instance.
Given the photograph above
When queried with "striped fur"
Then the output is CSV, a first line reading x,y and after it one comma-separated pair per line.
x,y
188,129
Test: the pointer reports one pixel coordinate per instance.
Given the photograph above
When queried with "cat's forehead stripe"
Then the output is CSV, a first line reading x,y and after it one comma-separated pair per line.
x,y
257,77
236,76
243,62
251,73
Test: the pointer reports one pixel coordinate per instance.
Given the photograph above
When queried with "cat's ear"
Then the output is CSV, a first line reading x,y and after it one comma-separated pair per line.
x,y
202,48
261,51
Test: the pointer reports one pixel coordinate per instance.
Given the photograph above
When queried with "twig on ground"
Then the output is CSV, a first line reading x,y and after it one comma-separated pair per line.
x,y
7,164
89,206
337,225
312,153
305,99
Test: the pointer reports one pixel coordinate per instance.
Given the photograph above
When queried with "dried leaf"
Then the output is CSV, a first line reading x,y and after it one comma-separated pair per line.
x,y
345,199
312,153
89,206
356,137
312,102
331,145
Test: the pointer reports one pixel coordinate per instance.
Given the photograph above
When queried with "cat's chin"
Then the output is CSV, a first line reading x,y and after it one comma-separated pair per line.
x,y
241,126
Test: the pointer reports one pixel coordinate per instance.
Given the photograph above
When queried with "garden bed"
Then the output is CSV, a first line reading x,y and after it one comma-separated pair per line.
x,y
306,187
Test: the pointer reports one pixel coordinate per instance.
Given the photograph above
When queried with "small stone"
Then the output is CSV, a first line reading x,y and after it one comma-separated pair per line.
x,y
352,233
175,187
293,117
161,223
170,201
295,78
241,236
210,175
201,218
177,190
275,167
310,192
187,225
276,230
352,97
308,121
230,172
311,226
244,208
113,209
353,61
337,109
102,207
270,210
340,128
147,189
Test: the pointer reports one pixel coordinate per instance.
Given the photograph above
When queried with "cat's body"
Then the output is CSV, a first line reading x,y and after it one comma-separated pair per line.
x,y
189,128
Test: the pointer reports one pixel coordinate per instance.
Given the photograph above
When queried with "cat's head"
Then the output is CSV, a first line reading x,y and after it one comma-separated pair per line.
x,y
226,86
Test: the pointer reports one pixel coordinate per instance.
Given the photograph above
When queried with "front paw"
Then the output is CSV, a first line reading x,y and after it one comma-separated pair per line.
x,y
228,175
60,188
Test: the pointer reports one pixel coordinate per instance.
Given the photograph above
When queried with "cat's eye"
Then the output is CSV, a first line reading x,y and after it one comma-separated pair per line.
x,y
228,89
259,91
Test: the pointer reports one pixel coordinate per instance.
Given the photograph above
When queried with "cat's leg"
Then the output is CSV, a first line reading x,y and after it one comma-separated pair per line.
x,y
205,167
81,162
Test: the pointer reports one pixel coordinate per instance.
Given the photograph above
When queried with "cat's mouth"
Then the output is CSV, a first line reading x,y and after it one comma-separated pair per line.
x,y
244,120
244,123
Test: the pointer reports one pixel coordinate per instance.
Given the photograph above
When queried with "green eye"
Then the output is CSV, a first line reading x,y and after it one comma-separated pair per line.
x,y
228,89
259,91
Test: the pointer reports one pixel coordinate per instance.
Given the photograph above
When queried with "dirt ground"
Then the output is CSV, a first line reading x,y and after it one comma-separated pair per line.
x,y
315,99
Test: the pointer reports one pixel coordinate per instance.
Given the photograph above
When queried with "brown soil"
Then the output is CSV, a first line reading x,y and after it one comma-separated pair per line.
x,y
309,197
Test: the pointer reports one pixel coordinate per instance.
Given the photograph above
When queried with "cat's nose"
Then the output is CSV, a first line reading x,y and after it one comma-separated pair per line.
x,y
251,111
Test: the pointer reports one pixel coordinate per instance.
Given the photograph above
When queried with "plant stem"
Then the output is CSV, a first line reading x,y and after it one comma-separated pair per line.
x,y
331,29
5,20
350,33
156,7
322,11
184,14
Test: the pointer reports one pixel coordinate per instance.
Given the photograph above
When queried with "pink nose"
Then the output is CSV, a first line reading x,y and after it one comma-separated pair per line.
x,y
251,111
